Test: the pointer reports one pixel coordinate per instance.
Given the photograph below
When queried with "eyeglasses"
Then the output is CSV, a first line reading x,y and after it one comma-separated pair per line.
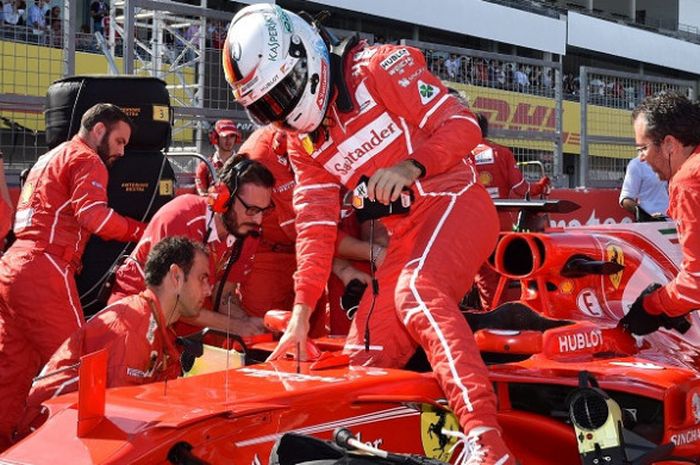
x,y
252,210
643,149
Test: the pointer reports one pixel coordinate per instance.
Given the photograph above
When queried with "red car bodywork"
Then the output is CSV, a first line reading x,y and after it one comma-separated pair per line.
x,y
235,416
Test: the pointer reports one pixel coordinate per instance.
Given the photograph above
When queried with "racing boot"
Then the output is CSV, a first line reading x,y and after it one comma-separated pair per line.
x,y
482,446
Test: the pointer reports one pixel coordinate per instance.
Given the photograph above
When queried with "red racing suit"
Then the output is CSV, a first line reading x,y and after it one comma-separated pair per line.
x,y
202,176
682,294
63,202
402,111
499,174
269,285
187,215
141,349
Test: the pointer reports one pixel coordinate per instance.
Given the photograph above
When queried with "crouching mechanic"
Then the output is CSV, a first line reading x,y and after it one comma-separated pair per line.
x,y
62,203
379,113
667,135
135,330
227,222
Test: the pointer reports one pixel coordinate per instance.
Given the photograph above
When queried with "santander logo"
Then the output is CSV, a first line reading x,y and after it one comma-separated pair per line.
x,y
362,146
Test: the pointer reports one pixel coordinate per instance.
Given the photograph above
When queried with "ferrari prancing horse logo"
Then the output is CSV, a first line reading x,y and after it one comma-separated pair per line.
x,y
615,254
436,444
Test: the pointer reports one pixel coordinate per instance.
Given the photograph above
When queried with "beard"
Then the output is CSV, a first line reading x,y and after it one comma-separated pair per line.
x,y
237,229
102,150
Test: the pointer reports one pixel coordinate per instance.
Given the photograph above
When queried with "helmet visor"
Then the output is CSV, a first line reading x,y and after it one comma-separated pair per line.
x,y
279,101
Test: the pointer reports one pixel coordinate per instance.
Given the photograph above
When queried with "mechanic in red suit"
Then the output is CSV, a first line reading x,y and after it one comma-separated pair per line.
x,y
274,260
63,202
227,224
499,173
379,113
667,136
136,330
224,136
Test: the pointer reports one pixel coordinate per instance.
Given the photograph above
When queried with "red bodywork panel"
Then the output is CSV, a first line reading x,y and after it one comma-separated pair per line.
x,y
235,416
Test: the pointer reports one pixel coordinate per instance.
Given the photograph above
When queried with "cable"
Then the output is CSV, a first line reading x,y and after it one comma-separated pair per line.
x,y
104,276
375,283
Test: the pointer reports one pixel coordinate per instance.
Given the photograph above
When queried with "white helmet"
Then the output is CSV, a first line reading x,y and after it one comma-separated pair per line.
x,y
278,67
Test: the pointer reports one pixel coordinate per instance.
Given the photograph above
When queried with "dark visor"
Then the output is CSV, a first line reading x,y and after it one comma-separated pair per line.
x,y
277,103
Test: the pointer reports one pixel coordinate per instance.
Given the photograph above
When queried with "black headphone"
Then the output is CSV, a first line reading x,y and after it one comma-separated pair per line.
x,y
220,197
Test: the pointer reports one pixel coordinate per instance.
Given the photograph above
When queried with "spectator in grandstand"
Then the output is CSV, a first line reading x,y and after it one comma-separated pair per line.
x,y
403,133
499,174
63,203
36,19
520,78
98,10
12,11
452,66
224,136
55,25
227,221
667,136
135,330
642,188
84,41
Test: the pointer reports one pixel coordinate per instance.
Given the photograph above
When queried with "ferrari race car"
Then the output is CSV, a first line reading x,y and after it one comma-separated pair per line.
x,y
572,387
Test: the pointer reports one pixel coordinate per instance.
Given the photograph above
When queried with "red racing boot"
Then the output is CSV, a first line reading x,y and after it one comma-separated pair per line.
x,y
482,446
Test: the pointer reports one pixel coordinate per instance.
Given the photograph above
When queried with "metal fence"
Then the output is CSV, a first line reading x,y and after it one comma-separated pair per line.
x,y
521,97
531,106
607,99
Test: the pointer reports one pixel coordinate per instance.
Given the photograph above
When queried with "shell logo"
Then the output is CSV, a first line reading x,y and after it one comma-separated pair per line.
x,y
567,287
485,178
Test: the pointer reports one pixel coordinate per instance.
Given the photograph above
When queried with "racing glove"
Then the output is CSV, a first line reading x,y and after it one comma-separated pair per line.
x,y
543,186
350,299
640,322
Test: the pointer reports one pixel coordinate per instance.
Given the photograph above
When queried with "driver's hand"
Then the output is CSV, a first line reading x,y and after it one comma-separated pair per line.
x,y
386,184
296,334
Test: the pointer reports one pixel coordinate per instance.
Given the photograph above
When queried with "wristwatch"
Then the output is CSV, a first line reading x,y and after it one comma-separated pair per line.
x,y
418,165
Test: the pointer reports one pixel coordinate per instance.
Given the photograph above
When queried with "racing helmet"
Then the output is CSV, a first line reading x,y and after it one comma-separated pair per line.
x,y
278,67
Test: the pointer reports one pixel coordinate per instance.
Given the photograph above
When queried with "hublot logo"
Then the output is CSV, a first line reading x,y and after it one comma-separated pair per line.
x,y
363,146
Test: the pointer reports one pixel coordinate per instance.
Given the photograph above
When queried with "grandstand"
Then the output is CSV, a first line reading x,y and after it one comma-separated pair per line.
x,y
558,88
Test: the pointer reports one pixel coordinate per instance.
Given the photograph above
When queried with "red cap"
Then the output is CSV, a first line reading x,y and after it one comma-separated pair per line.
x,y
226,127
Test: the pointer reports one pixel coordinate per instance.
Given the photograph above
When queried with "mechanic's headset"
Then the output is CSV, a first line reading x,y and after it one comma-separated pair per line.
x,y
220,197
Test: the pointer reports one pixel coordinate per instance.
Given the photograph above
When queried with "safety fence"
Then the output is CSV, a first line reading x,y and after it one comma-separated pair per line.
x,y
578,128
521,97
607,99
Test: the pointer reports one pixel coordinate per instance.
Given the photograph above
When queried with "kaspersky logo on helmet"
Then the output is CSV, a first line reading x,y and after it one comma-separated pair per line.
x,y
273,43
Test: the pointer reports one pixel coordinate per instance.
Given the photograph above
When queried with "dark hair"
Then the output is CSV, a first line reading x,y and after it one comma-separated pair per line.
x,y
240,169
176,250
483,124
670,113
105,113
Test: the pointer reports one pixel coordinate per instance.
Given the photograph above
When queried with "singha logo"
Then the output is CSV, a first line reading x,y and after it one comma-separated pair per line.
x,y
696,407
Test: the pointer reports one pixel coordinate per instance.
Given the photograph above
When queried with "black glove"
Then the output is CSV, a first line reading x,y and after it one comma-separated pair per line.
x,y
679,323
352,296
638,321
